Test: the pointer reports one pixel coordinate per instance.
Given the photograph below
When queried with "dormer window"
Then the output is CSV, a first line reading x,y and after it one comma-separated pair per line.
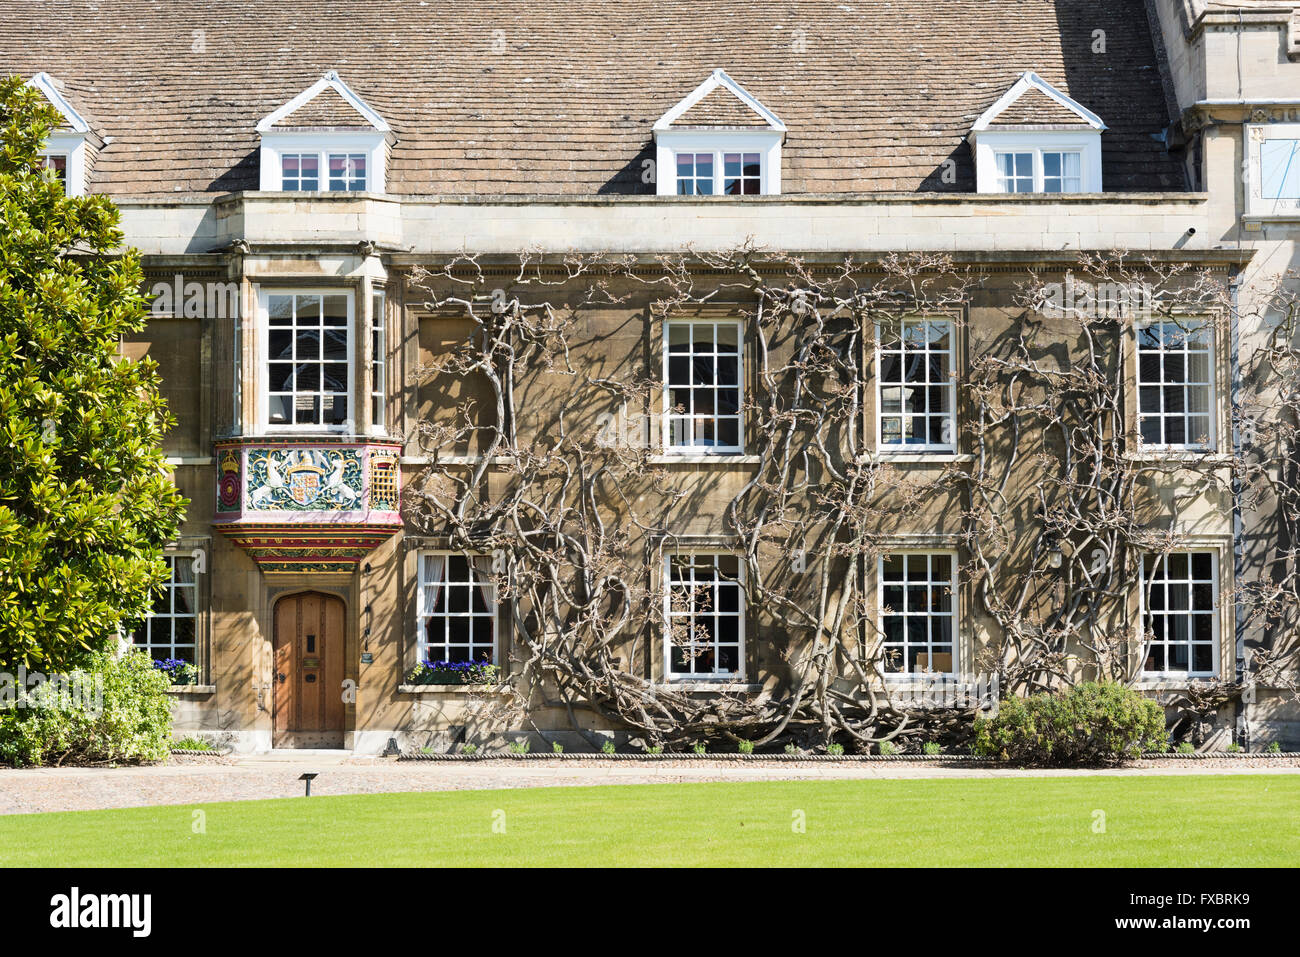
x,y
326,139
1035,139
719,141
57,163
301,172
1039,171
70,149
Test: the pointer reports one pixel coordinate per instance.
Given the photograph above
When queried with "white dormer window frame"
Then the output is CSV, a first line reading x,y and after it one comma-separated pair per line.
x,y
325,143
73,143
991,143
717,142
1273,171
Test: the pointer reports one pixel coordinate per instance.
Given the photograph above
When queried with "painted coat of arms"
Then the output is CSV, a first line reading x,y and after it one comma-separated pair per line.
x,y
303,479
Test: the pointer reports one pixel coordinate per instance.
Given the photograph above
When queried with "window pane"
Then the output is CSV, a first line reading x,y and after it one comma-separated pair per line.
x,y
918,380
1280,168
703,383
307,368
1180,613
705,613
918,619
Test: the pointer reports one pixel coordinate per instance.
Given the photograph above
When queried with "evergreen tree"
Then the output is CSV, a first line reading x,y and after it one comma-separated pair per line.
x,y
86,499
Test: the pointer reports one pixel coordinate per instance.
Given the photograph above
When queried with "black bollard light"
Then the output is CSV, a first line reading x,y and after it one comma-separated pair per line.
x,y
307,777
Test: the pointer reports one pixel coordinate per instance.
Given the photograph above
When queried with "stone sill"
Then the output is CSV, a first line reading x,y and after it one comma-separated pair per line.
x,y
1171,684
192,689
916,458
1179,456
710,687
724,459
453,689
469,460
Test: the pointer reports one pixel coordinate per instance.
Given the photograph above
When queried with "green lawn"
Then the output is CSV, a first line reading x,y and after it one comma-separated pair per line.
x,y
1200,821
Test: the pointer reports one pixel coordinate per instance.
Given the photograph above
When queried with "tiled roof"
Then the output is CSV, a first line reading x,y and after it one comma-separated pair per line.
x,y
1036,107
721,108
326,108
522,97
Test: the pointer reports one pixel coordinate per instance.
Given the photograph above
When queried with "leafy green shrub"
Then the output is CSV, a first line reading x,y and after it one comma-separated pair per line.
x,y
1092,723
931,748
835,749
654,749
887,747
1274,747
608,747
521,746
469,749
557,747
1186,747
745,747
793,748
130,722
1233,748
192,743
699,747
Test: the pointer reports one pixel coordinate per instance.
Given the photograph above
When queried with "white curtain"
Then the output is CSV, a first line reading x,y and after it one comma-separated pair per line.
x,y
431,582
482,567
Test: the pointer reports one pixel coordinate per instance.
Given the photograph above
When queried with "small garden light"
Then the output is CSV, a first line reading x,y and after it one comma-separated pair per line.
x,y
307,778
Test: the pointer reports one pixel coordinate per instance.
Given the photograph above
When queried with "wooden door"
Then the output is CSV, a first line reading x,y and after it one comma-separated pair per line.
x,y
307,707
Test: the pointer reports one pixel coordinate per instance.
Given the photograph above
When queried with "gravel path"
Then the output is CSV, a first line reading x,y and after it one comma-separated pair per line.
x,y
245,778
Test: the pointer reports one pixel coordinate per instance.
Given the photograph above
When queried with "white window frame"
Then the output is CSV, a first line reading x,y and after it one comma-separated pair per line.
x,y
422,615
1038,169
741,614
904,448
369,143
73,147
991,143
378,384
1212,438
956,613
766,143
265,425
719,174
1215,612
669,448
48,154
193,616
1257,206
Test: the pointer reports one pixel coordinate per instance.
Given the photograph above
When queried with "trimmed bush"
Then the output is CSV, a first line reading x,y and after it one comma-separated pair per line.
x,y
1091,723
130,724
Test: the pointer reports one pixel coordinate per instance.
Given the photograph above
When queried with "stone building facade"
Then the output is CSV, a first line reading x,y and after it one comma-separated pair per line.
x,y
285,176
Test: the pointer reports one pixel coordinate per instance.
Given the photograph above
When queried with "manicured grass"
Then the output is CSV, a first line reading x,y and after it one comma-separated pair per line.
x,y
1188,821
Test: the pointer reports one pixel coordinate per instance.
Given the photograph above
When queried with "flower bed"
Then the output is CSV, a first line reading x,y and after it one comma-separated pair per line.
x,y
178,671
453,673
